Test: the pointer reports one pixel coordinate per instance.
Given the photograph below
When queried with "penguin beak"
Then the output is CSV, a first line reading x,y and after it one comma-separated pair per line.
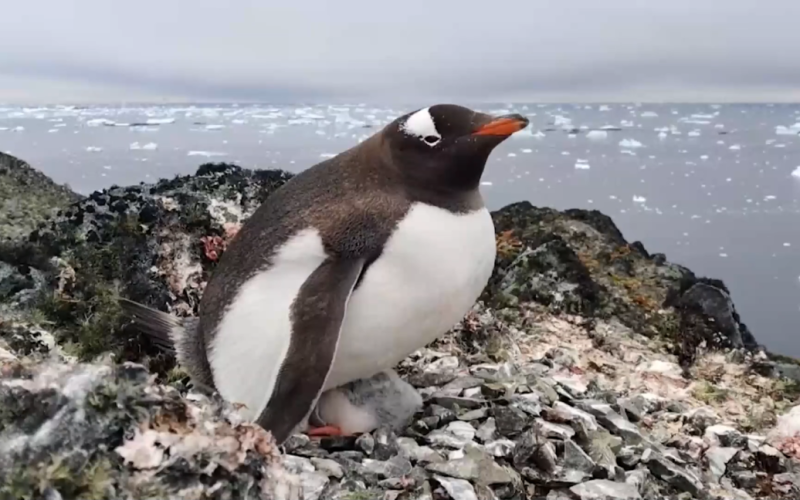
x,y
503,125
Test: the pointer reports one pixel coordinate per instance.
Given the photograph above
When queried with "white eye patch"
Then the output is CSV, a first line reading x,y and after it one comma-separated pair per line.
x,y
421,125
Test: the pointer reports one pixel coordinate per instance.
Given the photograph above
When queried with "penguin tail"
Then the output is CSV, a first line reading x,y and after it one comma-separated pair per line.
x,y
162,329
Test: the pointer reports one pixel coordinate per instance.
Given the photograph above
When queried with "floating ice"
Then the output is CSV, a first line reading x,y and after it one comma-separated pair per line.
x,y
796,173
769,197
630,143
512,154
639,199
150,146
597,135
735,147
604,107
539,134
93,149
160,121
582,165
793,130
214,127
694,133
486,183
327,155
207,154
97,122
649,114
526,150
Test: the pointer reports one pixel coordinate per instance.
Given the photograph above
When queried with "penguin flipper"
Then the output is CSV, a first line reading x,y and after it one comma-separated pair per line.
x,y
317,315
161,328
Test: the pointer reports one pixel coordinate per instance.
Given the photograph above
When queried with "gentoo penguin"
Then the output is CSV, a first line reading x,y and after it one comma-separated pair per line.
x,y
346,269
363,405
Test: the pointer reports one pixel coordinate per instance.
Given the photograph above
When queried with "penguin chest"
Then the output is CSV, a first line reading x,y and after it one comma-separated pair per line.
x,y
430,273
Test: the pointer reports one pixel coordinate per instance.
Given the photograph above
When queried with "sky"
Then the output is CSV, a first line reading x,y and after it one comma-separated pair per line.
x,y
93,51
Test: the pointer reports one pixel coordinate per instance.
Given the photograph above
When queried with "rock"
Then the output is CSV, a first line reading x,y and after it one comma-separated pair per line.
x,y
28,197
545,457
700,418
458,489
613,421
637,478
629,456
478,414
500,447
715,303
677,477
455,435
392,468
576,458
328,467
420,454
487,430
454,403
770,459
723,435
550,430
603,489
102,428
718,458
745,479
640,405
602,447
366,443
564,413
510,421
475,467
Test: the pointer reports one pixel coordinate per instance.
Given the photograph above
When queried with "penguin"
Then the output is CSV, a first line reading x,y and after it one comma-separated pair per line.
x,y
346,269
361,406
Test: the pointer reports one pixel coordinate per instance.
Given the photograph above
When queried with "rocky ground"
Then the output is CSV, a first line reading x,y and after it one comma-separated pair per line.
x,y
589,369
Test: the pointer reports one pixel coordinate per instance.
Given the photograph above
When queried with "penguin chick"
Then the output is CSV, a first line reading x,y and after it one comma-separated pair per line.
x,y
383,400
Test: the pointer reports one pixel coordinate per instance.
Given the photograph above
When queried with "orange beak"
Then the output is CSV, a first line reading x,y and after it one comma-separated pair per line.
x,y
503,125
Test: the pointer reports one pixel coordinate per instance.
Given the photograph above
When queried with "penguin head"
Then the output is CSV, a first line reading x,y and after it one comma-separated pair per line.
x,y
446,146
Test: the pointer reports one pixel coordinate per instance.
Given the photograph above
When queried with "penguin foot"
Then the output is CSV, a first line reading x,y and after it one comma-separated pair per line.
x,y
325,431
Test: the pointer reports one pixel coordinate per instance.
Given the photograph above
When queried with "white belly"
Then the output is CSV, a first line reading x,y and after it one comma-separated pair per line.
x,y
431,272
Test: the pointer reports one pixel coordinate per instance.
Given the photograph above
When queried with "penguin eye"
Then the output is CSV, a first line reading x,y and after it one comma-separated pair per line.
x,y
430,139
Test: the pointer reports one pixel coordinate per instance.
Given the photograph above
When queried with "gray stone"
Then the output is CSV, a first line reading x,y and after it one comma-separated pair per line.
x,y
313,484
453,403
770,459
410,449
550,430
328,467
640,405
462,468
366,443
724,435
458,489
545,457
603,489
576,458
529,403
745,479
564,413
559,495
613,421
718,458
637,478
478,414
510,421
524,447
574,386
500,447
673,474
394,467
487,430
456,387
700,418
629,456
456,435
493,373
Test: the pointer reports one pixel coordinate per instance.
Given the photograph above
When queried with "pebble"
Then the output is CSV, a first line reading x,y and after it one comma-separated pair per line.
x,y
456,435
458,489
603,489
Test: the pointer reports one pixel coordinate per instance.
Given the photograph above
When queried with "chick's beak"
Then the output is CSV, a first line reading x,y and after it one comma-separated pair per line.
x,y
502,125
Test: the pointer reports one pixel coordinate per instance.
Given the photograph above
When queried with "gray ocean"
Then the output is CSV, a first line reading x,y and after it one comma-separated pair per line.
x,y
714,187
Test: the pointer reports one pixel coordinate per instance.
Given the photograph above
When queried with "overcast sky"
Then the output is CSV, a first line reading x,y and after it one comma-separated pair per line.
x,y
399,50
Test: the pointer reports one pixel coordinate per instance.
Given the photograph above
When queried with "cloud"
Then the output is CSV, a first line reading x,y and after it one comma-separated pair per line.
x,y
413,50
